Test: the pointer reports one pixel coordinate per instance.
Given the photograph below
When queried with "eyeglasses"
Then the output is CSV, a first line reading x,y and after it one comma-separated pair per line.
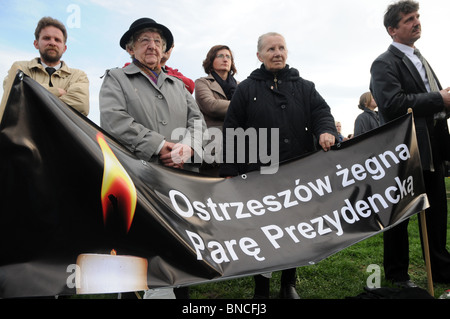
x,y
221,56
146,41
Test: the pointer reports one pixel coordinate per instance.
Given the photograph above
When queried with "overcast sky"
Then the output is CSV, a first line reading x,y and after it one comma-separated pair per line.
x,y
331,43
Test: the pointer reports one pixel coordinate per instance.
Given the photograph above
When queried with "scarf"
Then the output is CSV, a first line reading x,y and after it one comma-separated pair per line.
x,y
228,86
152,74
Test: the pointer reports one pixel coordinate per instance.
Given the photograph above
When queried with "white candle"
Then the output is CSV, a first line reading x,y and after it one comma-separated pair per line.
x,y
101,273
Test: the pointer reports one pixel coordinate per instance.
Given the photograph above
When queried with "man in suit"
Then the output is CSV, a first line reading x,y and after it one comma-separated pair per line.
x,y
401,79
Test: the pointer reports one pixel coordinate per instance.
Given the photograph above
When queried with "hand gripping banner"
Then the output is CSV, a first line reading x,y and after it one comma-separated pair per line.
x,y
77,207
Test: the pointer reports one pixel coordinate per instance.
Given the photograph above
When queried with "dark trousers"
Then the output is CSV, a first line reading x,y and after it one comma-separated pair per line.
x,y
396,244
262,284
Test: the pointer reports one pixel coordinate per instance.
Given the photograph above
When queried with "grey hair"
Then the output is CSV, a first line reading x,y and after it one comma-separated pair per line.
x,y
264,36
136,35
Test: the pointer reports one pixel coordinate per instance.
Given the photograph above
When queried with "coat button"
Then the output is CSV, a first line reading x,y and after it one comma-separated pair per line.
x,y
164,122
283,106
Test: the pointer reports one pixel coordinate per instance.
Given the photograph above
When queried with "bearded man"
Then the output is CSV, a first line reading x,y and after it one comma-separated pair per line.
x,y
71,86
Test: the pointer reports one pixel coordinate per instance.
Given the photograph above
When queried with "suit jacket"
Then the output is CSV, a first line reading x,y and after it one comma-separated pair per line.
x,y
396,86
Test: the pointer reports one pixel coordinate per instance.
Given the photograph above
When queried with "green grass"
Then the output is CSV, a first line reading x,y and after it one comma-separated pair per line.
x,y
342,275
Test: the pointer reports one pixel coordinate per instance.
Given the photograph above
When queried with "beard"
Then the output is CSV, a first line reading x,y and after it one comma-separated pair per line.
x,y
51,55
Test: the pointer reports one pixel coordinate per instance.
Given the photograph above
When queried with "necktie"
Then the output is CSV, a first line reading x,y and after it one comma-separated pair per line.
x,y
430,76
431,81
50,71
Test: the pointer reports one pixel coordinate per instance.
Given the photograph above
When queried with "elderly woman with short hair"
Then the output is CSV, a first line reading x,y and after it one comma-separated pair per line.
x,y
275,97
142,107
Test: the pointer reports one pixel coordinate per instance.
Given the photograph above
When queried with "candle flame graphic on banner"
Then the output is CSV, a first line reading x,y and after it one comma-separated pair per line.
x,y
118,191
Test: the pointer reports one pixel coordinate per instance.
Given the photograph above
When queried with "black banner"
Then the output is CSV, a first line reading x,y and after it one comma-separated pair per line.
x,y
70,195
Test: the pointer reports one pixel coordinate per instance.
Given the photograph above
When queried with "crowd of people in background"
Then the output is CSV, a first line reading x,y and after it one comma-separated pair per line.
x,y
142,102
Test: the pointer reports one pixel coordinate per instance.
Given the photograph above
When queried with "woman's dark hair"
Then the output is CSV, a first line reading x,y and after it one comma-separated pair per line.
x,y
211,56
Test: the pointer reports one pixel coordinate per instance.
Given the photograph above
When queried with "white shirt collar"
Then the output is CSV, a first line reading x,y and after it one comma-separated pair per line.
x,y
409,52
56,67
